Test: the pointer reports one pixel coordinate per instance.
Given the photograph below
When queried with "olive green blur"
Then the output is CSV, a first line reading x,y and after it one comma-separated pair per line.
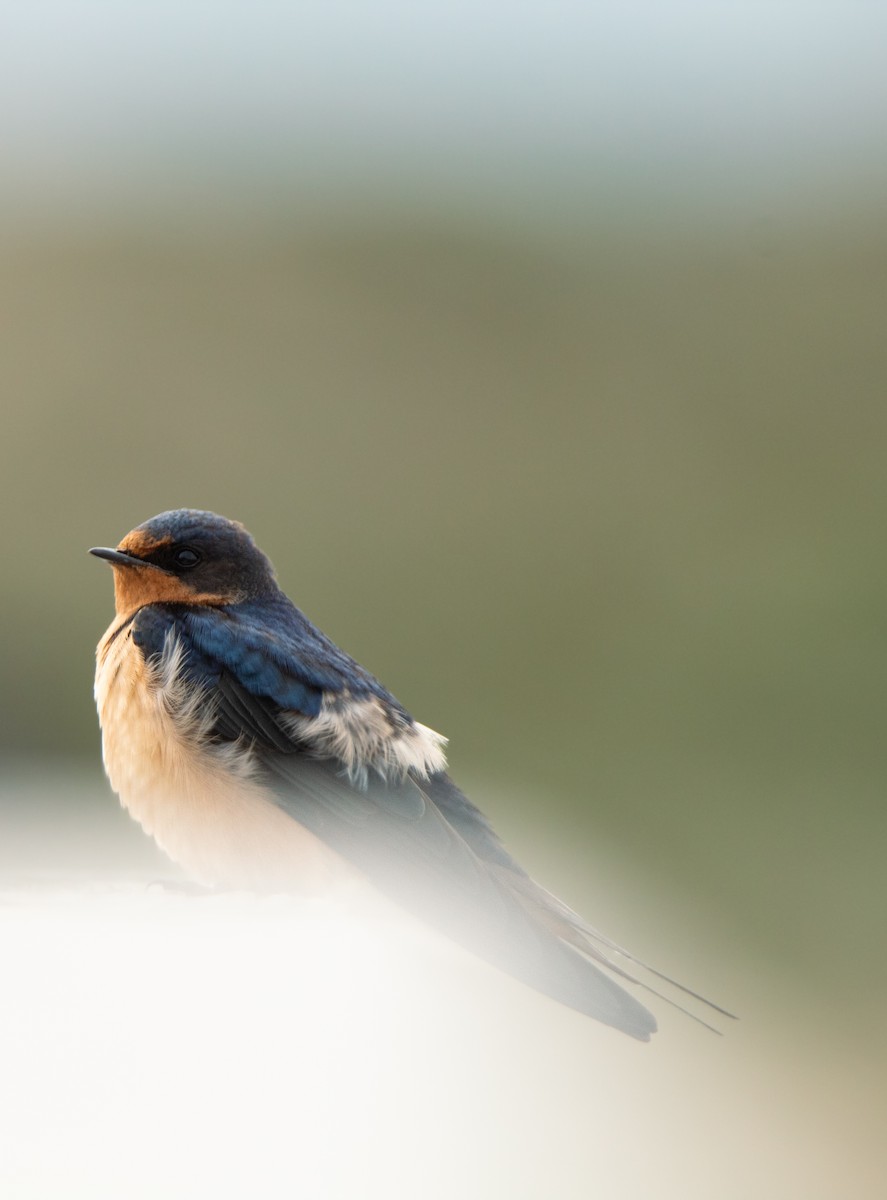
x,y
608,510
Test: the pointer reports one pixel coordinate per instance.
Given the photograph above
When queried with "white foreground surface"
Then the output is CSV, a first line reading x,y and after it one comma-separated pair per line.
x,y
159,1044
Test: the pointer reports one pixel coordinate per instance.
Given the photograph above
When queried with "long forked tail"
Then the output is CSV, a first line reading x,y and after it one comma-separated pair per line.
x,y
531,951
584,938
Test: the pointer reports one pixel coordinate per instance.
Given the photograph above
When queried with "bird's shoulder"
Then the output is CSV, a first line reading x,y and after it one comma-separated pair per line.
x,y
267,646
260,671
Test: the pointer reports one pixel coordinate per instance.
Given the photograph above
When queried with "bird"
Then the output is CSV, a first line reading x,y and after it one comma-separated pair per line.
x,y
260,756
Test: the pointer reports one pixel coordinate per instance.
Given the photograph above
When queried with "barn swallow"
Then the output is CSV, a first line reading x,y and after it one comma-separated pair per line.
x,y
261,756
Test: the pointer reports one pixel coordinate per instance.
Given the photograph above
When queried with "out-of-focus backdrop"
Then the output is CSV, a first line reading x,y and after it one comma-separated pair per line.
x,y
543,348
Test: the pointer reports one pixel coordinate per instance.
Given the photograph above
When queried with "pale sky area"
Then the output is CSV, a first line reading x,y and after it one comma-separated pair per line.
x,y
693,99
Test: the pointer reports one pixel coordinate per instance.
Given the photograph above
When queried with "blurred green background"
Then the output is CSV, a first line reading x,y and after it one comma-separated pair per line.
x,y
574,433
613,521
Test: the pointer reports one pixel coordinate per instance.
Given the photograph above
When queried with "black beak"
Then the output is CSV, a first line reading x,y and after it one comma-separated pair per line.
x,y
119,559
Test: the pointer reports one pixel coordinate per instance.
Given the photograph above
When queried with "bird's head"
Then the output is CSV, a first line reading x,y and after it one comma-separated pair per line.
x,y
187,557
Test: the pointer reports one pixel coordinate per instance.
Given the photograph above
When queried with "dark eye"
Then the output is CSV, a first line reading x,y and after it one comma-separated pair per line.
x,y
186,557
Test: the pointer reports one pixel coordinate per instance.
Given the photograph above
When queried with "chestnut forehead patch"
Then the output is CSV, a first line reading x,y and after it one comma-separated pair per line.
x,y
142,544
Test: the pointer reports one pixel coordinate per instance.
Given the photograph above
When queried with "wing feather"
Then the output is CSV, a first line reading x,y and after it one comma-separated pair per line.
x,y
418,839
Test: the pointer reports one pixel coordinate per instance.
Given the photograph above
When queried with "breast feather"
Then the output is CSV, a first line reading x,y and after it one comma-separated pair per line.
x,y
200,800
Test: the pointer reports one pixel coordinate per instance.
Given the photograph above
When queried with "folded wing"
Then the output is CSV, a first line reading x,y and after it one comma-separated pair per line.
x,y
410,831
